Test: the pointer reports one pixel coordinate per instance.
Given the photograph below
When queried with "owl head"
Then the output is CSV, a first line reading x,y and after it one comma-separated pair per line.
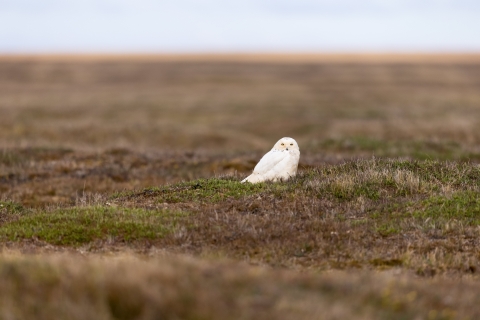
x,y
287,144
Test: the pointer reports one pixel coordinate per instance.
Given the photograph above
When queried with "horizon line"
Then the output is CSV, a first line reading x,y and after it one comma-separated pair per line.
x,y
260,56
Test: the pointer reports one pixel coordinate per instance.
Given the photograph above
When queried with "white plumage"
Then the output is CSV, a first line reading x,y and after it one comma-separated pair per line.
x,y
280,163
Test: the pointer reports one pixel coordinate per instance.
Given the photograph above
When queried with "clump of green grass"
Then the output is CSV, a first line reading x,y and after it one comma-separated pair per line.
x,y
77,226
462,206
11,207
384,178
201,190
370,178
10,210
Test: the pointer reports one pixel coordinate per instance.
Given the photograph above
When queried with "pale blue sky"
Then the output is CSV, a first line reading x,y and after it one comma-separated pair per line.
x,y
30,26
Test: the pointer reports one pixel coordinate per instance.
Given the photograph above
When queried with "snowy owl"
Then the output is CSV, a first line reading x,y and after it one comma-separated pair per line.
x,y
280,163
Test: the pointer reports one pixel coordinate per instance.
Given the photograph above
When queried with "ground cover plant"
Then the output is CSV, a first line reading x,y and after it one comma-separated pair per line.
x,y
122,175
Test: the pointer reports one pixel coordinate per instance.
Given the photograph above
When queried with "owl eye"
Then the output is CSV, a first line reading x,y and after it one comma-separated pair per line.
x,y
291,144
283,144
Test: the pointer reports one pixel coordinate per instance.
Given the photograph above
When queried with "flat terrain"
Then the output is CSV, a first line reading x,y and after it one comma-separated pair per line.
x,y
120,193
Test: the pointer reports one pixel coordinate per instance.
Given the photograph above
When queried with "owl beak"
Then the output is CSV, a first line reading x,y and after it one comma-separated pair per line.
x,y
287,149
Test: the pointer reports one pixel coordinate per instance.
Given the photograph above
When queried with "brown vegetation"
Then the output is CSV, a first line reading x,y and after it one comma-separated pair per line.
x,y
122,287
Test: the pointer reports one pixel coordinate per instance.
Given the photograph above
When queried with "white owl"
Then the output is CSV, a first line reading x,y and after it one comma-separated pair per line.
x,y
280,163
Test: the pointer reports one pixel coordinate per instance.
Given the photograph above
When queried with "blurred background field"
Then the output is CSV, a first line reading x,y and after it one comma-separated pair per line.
x,y
401,106
76,124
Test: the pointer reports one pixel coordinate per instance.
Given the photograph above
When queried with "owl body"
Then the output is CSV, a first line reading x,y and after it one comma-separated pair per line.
x,y
280,163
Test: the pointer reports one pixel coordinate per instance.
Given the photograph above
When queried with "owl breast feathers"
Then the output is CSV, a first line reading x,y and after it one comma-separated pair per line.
x,y
280,163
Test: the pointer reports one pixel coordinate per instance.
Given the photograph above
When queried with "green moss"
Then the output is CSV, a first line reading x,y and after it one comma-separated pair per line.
x,y
463,206
78,226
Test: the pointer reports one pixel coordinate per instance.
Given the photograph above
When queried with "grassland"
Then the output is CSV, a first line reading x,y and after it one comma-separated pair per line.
x,y
120,193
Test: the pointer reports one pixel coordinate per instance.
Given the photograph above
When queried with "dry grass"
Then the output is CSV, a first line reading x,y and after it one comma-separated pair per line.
x,y
144,155
179,288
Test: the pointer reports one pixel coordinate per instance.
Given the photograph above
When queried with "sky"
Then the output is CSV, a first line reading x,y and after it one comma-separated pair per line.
x,y
148,26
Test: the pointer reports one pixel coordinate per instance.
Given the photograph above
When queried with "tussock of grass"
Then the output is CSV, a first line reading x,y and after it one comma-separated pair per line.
x,y
382,178
77,226
201,190
374,179
463,206
9,210
10,207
